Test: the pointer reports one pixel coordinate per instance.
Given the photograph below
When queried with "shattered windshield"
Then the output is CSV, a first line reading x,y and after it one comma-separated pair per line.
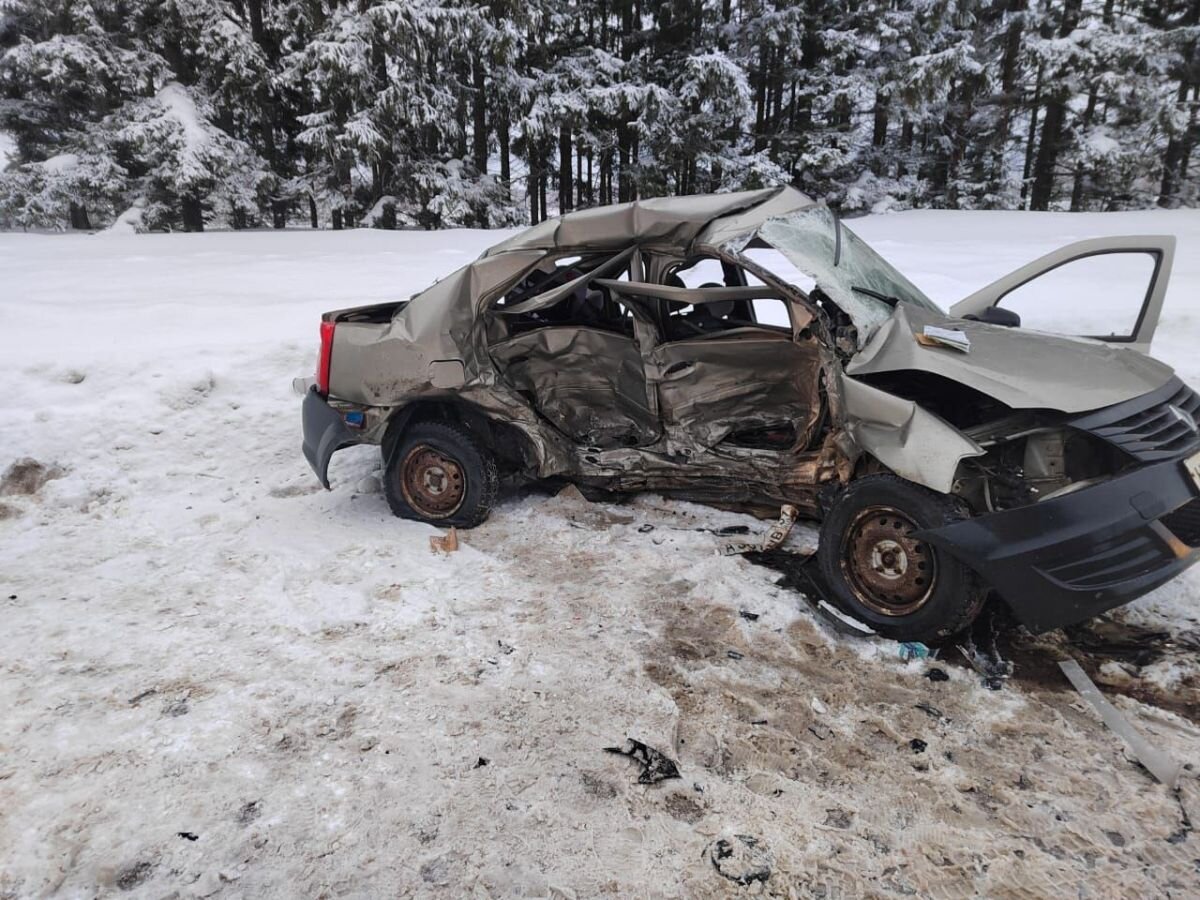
x,y
860,281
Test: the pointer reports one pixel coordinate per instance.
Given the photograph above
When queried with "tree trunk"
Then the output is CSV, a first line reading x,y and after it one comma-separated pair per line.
x,y
580,196
879,131
1042,191
79,217
1045,166
460,112
256,21
760,100
532,189
191,212
312,212
566,197
337,220
479,132
1031,140
1077,187
505,153
623,187
1174,158
1008,88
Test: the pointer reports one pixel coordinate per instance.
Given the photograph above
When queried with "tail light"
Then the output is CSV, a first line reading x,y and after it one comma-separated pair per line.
x,y
324,356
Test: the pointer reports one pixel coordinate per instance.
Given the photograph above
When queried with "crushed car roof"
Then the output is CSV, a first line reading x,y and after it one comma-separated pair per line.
x,y
662,221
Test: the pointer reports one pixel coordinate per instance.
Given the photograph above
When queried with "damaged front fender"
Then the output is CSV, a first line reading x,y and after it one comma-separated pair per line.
x,y
913,443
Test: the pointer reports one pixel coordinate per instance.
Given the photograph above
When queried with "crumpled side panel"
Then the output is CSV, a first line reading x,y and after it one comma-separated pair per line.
x,y
387,364
589,383
708,389
913,443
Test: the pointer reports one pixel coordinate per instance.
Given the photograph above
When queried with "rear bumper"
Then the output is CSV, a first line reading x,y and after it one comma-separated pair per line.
x,y
325,433
1073,557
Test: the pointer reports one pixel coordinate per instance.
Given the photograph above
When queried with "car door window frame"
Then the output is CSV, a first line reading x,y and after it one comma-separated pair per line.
x,y
1129,338
1162,247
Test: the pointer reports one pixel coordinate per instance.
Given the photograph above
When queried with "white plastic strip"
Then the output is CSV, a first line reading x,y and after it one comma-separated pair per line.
x,y
1158,763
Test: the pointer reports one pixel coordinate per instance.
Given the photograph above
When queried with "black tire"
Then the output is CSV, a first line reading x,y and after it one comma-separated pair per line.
x,y
905,589
440,453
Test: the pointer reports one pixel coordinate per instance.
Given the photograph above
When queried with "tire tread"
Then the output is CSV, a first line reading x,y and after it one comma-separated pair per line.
x,y
451,435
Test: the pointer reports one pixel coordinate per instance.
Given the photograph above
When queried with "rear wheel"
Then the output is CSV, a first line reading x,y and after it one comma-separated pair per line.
x,y
440,473
880,574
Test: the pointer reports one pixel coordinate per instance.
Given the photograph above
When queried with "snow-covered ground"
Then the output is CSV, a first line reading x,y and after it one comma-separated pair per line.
x,y
218,680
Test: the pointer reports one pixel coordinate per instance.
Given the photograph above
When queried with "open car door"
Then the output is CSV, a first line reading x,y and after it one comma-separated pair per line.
x,y
1109,289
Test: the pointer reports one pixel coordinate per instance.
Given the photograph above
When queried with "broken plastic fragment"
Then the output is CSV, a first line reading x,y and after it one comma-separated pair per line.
x,y
913,650
1156,762
656,766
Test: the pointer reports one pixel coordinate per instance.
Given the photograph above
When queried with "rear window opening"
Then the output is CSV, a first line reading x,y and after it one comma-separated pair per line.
x,y
587,305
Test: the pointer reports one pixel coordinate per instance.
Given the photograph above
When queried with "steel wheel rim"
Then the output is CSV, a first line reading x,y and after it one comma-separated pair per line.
x,y
890,572
433,483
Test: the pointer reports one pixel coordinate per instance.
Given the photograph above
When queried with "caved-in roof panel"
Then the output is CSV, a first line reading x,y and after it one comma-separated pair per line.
x,y
673,221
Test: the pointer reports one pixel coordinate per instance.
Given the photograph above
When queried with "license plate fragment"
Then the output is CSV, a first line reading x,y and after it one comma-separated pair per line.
x,y
1192,464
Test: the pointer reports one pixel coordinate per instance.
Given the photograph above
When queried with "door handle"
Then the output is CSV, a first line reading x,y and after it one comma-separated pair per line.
x,y
678,368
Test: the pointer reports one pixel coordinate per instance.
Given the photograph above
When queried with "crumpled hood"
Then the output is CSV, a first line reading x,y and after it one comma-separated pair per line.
x,y
1021,368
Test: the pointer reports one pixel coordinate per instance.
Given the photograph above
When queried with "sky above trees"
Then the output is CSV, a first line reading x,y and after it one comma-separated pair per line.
x,y
169,114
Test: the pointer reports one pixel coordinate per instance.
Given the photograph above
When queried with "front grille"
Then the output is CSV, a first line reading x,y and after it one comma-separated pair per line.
x,y
1184,523
1159,426
1111,562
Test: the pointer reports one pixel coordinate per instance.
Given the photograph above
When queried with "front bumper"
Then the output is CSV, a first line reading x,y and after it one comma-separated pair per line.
x,y
325,433
1073,557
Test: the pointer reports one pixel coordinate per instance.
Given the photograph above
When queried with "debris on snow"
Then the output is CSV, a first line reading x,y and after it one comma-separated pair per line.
x,y
1161,766
656,766
914,650
982,651
772,539
249,812
132,875
446,543
930,710
742,859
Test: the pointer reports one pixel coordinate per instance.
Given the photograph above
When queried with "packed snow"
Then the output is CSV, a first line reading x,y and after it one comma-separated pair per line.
x,y
220,680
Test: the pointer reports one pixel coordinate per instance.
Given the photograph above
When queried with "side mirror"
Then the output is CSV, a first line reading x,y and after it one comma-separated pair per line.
x,y
997,315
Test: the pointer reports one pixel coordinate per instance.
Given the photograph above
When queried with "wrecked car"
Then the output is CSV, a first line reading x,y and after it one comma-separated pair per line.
x,y
655,346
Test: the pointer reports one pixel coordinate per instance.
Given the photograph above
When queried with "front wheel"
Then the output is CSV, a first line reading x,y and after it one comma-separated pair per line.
x,y
880,574
440,473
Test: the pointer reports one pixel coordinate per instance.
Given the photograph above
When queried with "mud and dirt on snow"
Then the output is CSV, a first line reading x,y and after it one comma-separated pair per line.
x,y
197,643
25,477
